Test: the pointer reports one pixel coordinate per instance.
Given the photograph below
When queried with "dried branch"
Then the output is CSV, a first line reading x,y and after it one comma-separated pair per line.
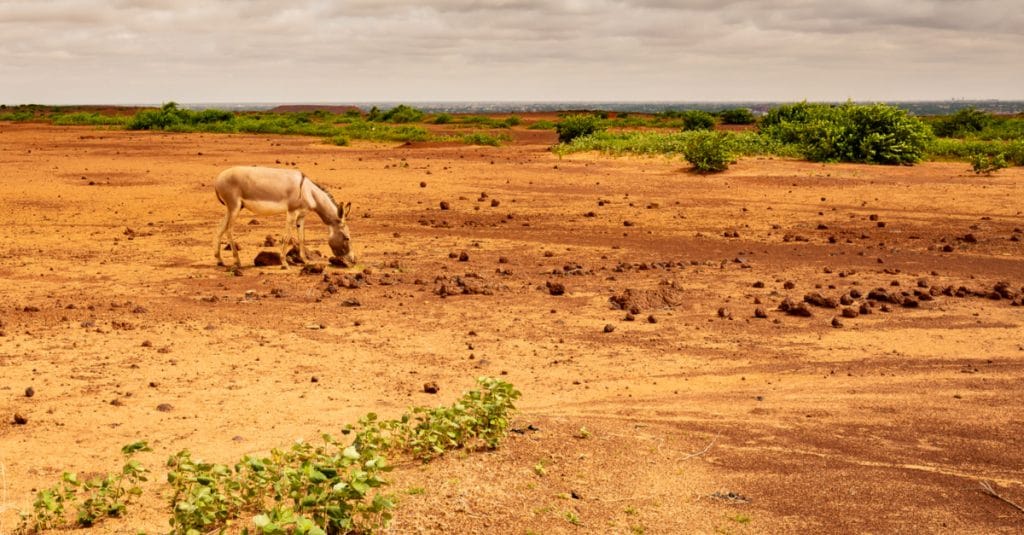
x,y
987,488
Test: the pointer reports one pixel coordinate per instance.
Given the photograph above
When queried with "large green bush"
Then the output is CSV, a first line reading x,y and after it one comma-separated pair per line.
x,y
872,133
574,126
402,114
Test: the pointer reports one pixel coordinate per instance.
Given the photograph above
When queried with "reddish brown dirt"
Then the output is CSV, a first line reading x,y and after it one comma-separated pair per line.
x,y
886,425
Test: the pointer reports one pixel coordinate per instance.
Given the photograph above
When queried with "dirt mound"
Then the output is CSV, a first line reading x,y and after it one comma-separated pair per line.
x,y
633,299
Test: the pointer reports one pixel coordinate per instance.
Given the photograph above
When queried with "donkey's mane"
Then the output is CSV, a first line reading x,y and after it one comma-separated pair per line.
x,y
318,186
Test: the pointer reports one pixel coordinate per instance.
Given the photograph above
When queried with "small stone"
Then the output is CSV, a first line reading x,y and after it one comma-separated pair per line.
x,y
760,313
837,323
165,407
29,392
431,387
556,288
609,328
444,205
652,319
463,256
19,419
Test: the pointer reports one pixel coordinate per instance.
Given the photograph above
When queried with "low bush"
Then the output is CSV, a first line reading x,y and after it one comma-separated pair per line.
x,y
698,120
709,152
579,125
967,121
984,164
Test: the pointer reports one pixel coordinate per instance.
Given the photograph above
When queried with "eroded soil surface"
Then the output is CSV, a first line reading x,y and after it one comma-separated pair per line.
x,y
879,412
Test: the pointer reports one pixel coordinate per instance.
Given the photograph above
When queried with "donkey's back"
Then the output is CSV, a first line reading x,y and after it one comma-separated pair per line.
x,y
263,190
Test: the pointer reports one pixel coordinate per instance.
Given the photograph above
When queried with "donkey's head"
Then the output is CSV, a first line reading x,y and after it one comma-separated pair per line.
x,y
339,239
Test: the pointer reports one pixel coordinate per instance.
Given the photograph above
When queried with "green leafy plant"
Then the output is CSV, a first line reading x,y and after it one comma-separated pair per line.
x,y
709,152
579,125
984,164
94,500
402,114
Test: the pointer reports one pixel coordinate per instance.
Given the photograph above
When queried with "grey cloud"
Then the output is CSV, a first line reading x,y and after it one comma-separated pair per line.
x,y
157,50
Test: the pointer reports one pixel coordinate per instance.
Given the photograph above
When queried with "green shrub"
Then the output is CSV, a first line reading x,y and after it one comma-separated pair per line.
x,y
543,124
737,116
962,123
442,118
874,133
482,138
984,164
709,152
512,120
698,120
574,126
402,114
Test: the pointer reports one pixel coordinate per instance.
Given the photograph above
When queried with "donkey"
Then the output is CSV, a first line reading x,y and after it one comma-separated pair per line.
x,y
268,191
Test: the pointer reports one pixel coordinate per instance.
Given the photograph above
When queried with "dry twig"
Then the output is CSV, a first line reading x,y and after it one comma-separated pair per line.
x,y
703,451
987,488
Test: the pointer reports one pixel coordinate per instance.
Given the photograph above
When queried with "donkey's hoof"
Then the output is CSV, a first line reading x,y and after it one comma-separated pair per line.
x,y
220,263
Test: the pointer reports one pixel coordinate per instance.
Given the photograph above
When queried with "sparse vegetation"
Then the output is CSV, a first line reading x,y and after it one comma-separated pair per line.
x,y
93,499
330,489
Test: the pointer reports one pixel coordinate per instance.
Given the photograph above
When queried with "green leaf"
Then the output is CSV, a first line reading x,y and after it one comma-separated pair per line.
x,y
350,453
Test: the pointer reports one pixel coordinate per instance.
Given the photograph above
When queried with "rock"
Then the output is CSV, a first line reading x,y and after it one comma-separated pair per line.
x,y
29,392
463,256
794,309
652,319
267,258
270,241
724,313
555,288
629,317
423,184
818,300
165,407
837,323
758,284
845,300
760,313
849,312
19,419
609,328
351,302
789,285
312,269
431,387
635,300
495,203
444,205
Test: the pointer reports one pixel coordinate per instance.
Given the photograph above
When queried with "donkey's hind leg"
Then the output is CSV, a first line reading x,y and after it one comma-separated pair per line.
x,y
286,240
300,225
220,237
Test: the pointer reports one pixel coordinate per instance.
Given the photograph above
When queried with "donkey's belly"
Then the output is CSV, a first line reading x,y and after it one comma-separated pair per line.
x,y
266,207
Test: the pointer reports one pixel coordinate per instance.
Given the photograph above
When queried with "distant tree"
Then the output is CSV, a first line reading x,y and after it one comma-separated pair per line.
x,y
737,116
964,122
574,126
698,120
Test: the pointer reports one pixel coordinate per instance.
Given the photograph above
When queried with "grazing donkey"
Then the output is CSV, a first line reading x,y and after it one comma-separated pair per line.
x,y
268,191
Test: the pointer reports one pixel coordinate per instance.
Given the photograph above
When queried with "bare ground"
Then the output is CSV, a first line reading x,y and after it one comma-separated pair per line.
x,y
111,305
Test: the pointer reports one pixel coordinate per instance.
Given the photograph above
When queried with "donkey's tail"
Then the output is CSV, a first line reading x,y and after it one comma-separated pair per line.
x,y
218,197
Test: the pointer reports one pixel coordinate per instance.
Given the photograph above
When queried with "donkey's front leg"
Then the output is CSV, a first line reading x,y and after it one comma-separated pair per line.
x,y
286,240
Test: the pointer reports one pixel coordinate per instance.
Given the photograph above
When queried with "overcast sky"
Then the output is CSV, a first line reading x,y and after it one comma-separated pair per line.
x,y
152,51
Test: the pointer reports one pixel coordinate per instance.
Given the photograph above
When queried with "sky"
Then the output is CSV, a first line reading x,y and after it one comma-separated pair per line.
x,y
247,51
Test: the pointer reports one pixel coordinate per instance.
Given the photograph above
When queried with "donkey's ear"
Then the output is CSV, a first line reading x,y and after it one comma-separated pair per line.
x,y
348,209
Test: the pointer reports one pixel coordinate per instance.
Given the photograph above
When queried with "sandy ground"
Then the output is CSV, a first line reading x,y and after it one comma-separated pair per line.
x,y
111,304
